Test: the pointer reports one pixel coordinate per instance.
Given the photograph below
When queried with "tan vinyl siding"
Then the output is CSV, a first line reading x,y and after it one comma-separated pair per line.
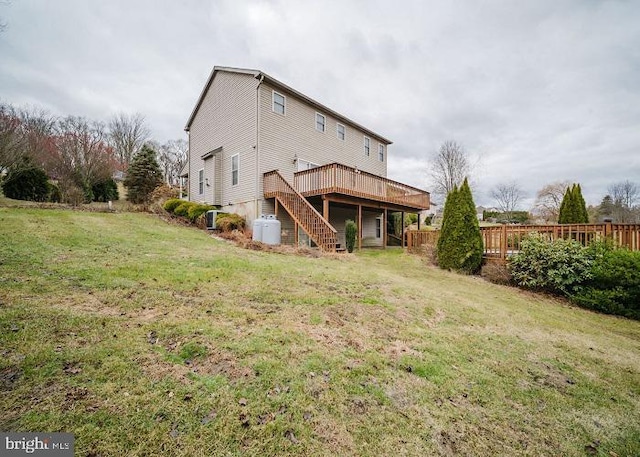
x,y
226,118
369,229
283,138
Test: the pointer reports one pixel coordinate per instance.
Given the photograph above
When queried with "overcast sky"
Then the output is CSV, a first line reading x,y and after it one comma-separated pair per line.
x,y
537,91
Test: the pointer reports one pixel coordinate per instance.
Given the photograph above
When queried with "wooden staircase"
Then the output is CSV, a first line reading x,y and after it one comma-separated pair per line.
x,y
302,212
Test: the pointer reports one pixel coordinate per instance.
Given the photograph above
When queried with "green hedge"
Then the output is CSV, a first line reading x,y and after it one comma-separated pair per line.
x,y
614,287
171,204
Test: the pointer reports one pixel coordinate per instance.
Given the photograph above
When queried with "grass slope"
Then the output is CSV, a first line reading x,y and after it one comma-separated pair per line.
x,y
144,338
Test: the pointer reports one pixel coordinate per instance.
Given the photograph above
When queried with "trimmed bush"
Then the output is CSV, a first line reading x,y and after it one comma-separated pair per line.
x,y
198,210
171,204
614,287
350,234
227,222
559,266
182,209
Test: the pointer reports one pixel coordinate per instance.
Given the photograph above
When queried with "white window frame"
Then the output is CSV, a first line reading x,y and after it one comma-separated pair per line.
x,y
273,103
235,174
201,181
381,152
367,146
344,131
323,124
378,227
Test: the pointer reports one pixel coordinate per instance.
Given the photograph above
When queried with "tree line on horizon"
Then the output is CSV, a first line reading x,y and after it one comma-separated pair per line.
x,y
80,159
451,164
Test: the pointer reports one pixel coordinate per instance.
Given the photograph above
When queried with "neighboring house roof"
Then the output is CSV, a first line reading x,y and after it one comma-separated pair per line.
x,y
184,173
260,75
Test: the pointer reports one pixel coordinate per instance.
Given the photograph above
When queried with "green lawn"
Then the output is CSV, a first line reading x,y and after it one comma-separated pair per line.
x,y
147,338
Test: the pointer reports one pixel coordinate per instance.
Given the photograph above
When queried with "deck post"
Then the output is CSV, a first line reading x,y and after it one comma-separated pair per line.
x,y
359,227
325,208
402,231
383,228
296,241
276,208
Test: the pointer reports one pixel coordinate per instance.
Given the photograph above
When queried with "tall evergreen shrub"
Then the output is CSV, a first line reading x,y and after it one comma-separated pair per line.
x,y
573,209
460,245
143,176
351,233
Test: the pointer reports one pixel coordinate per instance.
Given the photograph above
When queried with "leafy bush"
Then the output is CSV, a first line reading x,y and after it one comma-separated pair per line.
x,y
460,245
559,266
182,209
26,181
350,234
228,222
614,287
197,210
171,204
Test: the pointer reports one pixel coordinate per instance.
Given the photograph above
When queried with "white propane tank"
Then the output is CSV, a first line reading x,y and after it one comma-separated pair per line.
x,y
271,230
257,228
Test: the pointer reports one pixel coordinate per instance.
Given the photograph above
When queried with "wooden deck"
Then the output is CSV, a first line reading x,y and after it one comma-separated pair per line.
x,y
340,179
502,241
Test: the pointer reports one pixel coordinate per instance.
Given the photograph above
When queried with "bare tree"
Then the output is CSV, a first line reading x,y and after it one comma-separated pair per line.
x,y
82,157
171,157
507,197
24,132
127,134
625,196
448,168
549,199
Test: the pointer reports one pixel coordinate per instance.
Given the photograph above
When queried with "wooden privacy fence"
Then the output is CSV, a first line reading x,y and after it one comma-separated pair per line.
x,y
502,241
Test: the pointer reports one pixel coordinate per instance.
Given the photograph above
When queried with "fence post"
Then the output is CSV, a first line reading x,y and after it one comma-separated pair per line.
x,y
503,242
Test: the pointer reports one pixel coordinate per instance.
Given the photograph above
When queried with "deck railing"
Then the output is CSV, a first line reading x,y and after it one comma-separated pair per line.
x,y
311,221
338,178
502,241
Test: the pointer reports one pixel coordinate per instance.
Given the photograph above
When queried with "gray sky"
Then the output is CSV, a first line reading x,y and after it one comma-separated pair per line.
x,y
539,91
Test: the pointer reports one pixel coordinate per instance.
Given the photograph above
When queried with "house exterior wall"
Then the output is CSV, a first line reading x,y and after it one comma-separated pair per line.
x,y
226,118
236,115
293,135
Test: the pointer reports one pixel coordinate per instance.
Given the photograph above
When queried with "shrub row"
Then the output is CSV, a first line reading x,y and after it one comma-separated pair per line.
x,y
599,277
189,210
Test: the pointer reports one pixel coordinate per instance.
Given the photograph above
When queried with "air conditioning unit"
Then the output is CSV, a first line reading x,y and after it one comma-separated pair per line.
x,y
211,218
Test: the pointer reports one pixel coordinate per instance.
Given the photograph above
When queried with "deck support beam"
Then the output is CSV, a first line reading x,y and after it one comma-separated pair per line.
x,y
359,227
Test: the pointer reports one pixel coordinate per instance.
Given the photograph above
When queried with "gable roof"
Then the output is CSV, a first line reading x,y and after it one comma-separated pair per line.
x,y
262,76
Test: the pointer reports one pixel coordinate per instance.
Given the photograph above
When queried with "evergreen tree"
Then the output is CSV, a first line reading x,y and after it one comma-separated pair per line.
x,y
573,209
143,176
581,206
564,206
460,245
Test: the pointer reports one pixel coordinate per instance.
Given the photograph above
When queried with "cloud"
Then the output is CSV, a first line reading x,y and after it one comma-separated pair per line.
x,y
541,91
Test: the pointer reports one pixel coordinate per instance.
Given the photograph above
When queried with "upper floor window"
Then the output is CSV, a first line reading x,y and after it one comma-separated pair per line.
x,y
367,146
341,132
320,122
278,103
201,181
381,152
235,167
